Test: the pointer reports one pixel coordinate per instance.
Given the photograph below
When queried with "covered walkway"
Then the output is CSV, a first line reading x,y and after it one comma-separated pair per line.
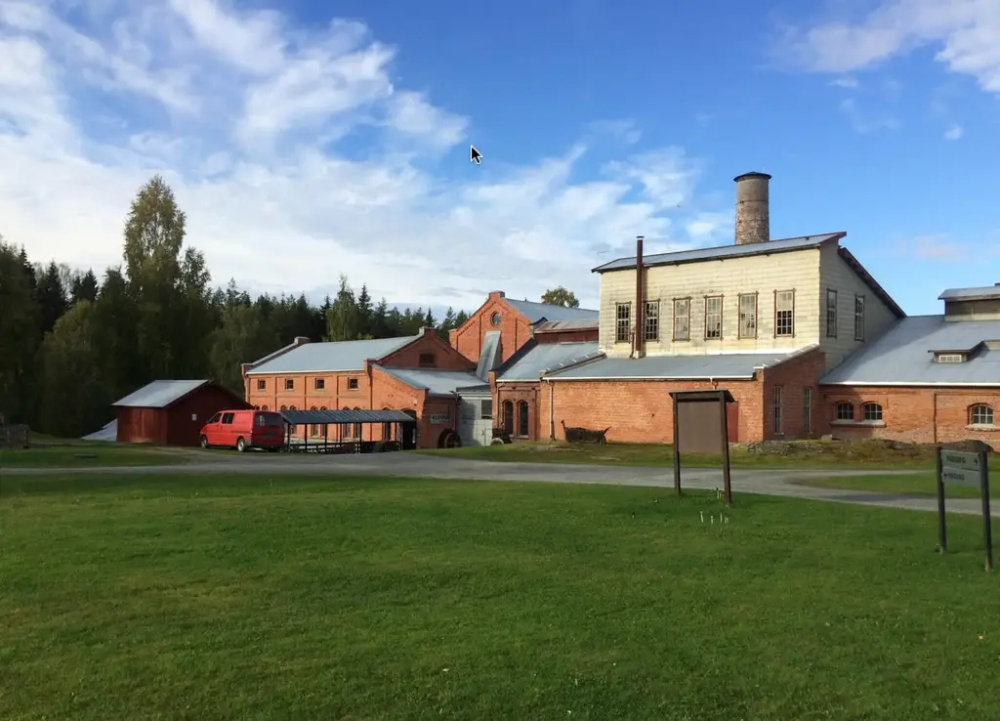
x,y
399,431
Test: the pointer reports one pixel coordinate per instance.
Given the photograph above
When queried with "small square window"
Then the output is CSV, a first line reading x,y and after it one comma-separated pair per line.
x,y
426,360
352,384
319,384
289,384
261,385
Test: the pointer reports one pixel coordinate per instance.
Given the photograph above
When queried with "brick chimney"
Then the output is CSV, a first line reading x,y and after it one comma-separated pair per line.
x,y
753,215
497,294
638,344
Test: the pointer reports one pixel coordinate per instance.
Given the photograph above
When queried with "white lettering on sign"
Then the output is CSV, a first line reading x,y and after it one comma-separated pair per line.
x,y
441,419
960,459
961,476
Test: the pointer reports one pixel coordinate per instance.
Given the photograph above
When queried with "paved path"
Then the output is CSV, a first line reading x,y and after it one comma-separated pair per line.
x,y
745,480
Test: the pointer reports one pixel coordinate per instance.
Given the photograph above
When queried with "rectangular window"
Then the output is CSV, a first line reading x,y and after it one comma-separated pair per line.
x,y
807,410
748,315
319,384
486,410
778,402
261,385
651,321
859,317
289,384
623,322
426,360
352,384
713,317
831,313
682,319
784,313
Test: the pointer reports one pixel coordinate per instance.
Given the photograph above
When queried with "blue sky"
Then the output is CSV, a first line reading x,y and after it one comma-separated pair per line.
x,y
310,139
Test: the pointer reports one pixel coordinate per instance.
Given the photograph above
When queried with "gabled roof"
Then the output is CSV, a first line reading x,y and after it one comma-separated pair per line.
x,y
326,357
436,382
987,292
536,312
697,255
546,357
904,355
158,394
726,366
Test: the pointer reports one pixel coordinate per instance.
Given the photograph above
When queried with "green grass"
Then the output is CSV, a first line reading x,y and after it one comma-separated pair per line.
x,y
817,454
83,454
168,597
917,484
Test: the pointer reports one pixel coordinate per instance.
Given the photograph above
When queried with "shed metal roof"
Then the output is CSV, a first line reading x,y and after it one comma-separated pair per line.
x,y
729,366
536,312
904,355
436,382
546,357
300,418
338,356
696,255
559,326
982,292
158,394
489,355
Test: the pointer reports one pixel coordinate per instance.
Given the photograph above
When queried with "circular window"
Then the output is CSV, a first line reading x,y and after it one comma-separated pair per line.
x,y
495,318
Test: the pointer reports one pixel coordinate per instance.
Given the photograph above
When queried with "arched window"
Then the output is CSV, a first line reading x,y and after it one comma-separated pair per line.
x,y
292,408
284,408
872,412
256,408
508,416
522,418
263,408
981,415
845,412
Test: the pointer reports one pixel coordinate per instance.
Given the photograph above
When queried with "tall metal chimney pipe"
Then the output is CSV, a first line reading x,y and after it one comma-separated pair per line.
x,y
638,349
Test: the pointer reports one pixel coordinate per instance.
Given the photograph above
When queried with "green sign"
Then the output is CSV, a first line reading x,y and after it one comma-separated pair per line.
x,y
960,459
961,476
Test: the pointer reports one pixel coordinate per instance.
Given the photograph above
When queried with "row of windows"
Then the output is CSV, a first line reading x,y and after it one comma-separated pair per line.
x,y
747,307
979,414
319,384
831,315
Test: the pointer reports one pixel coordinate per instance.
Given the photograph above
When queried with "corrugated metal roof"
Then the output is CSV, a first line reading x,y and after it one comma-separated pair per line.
x,y
339,356
435,381
489,356
547,357
725,251
301,418
904,355
986,291
723,366
107,434
158,394
557,326
536,312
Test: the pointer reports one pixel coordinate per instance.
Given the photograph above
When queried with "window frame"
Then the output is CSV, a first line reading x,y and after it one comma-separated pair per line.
x,y
352,384
840,405
831,313
651,321
227,418
740,313
523,419
777,410
427,360
686,301
507,413
623,323
791,333
721,314
319,384
972,414
289,384
864,412
859,317
486,409
261,384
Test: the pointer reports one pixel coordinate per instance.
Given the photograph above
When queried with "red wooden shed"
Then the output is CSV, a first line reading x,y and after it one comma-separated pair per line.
x,y
171,413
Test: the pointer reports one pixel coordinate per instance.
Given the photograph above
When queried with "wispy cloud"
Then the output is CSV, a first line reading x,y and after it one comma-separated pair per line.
x,y
283,146
863,122
938,248
846,82
954,132
964,32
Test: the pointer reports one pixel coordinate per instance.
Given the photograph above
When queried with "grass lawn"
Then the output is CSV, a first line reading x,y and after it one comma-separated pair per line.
x,y
82,453
817,454
169,597
917,484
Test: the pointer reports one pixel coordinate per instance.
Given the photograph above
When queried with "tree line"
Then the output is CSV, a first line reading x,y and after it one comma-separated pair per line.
x,y
72,343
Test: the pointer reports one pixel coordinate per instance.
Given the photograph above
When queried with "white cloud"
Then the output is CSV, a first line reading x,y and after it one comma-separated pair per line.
x,y
863,122
966,34
954,132
252,121
845,82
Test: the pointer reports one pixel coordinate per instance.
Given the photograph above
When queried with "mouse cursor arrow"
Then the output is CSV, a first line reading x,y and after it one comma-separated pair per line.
x,y
474,155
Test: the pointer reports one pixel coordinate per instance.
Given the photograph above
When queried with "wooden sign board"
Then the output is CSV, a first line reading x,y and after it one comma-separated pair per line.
x,y
961,476
962,460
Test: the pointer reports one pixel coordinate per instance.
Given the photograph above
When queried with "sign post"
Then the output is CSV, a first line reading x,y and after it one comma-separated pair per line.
x,y
702,430
968,469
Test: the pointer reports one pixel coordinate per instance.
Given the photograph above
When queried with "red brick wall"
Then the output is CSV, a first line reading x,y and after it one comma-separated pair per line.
x,y
521,392
568,336
445,357
914,415
794,376
514,329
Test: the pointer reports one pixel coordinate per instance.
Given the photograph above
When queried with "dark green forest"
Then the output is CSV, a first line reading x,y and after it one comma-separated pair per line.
x,y
72,343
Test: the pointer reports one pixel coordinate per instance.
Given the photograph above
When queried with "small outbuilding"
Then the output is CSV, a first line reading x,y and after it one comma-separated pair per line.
x,y
171,413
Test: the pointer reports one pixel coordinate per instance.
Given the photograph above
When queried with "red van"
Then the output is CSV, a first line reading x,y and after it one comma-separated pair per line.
x,y
244,429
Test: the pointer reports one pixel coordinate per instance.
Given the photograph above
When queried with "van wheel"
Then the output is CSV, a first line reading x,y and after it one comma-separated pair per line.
x,y
241,445
204,442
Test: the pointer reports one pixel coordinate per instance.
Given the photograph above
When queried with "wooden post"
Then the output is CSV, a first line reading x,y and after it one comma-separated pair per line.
x,y
677,450
725,448
942,528
984,483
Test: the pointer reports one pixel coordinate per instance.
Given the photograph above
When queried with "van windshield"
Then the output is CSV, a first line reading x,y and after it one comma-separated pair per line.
x,y
268,419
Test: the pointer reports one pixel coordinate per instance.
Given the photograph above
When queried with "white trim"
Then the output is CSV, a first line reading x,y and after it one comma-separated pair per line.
x,y
857,424
645,378
914,384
